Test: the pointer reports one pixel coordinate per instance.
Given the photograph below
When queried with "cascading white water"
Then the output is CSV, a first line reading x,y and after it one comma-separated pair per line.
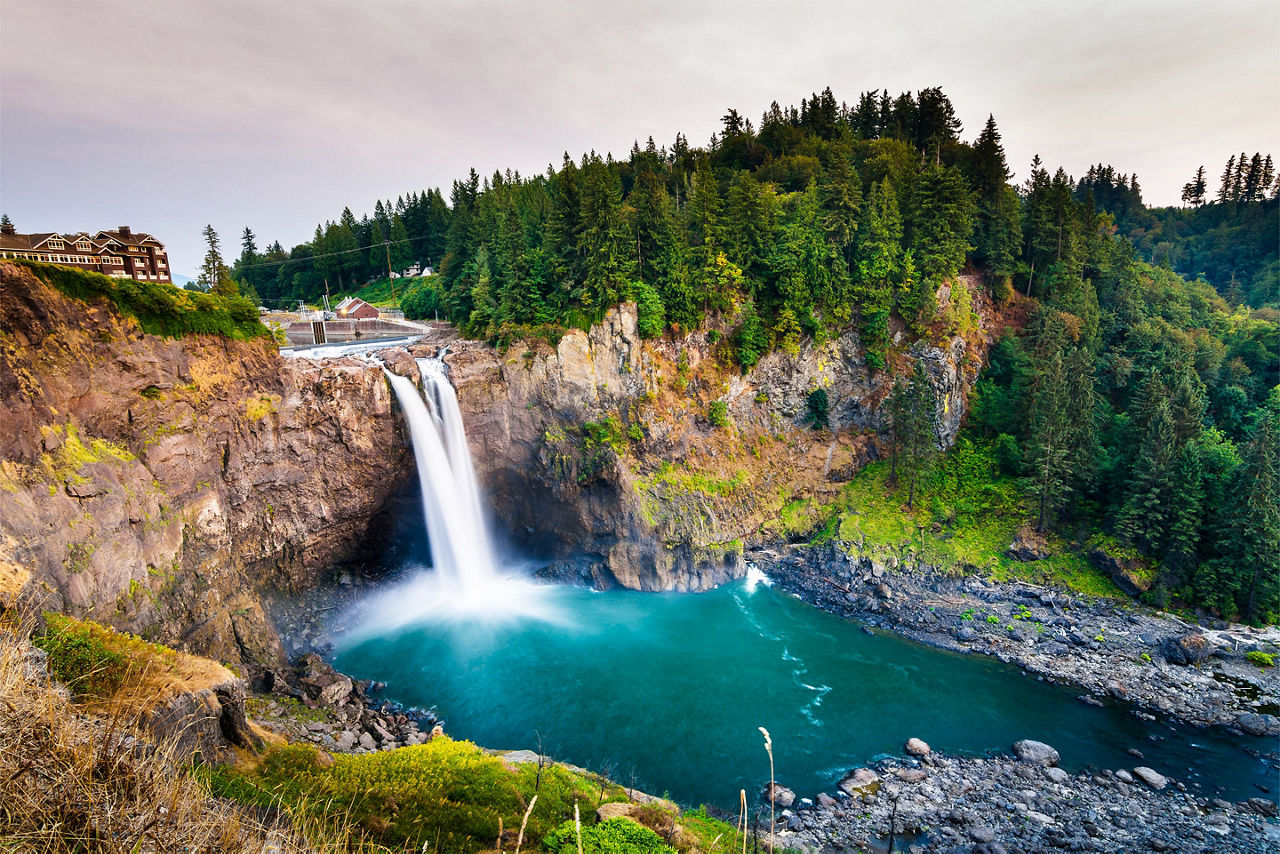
x,y
465,583
440,394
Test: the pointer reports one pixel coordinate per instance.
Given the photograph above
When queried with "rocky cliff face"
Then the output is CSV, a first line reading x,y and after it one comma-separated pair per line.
x,y
160,485
649,464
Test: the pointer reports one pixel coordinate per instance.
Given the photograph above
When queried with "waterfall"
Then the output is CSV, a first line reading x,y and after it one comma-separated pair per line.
x,y
460,549
465,585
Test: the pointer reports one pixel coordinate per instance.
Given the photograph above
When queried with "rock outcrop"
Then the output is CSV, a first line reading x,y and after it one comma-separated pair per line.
x,y
159,485
649,464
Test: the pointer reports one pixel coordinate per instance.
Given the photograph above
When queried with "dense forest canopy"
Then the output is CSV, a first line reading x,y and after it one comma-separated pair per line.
x,y
1140,402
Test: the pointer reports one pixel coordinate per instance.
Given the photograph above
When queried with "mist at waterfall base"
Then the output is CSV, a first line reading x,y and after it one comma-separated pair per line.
x,y
666,691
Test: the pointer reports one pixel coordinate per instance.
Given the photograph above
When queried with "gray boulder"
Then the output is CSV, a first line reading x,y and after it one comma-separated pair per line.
x,y
1193,648
1035,752
1256,724
1151,777
782,796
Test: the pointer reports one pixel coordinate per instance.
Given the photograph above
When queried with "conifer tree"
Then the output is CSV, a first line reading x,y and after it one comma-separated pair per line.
x,y
879,269
214,276
913,413
1193,191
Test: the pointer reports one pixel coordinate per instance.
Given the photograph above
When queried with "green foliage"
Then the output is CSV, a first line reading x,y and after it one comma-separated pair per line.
x,y
651,313
1261,659
611,836
447,795
818,409
718,414
81,658
160,309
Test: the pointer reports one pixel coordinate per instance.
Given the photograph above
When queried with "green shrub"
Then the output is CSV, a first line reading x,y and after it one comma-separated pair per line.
x,y
818,406
718,413
611,836
80,659
1260,658
159,308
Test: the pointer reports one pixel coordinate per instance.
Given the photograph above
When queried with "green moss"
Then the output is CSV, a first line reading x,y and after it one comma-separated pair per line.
x,y
676,480
160,309
260,406
1261,659
81,658
965,516
446,793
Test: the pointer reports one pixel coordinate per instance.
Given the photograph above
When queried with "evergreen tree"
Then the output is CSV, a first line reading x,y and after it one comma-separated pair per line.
x,y
608,258
651,313
1257,526
879,270
749,340
1193,191
913,411
841,194
214,275
941,222
1225,193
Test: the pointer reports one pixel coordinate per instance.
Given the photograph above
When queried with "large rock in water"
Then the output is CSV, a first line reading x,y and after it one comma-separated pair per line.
x,y
1194,648
1256,724
782,796
1035,752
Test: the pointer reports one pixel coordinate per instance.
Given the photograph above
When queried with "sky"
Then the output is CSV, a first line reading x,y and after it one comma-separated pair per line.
x,y
167,115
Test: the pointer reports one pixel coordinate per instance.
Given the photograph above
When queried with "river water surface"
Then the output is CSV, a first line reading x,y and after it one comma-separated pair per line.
x,y
666,691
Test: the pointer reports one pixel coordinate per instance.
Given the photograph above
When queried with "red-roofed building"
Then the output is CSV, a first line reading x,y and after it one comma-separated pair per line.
x,y
353,307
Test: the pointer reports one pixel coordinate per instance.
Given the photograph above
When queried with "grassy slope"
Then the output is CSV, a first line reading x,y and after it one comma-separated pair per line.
x,y
964,518
160,309
450,795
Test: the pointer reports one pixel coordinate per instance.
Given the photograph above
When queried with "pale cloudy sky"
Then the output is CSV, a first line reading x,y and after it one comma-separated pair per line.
x,y
169,114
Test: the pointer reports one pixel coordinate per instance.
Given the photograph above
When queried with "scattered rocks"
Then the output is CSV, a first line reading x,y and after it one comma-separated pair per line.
x,y
992,804
1035,752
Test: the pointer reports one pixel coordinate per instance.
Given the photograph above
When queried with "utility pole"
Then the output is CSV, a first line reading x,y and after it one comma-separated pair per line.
x,y
391,278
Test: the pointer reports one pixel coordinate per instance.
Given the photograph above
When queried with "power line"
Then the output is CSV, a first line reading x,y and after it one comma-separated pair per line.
x,y
328,254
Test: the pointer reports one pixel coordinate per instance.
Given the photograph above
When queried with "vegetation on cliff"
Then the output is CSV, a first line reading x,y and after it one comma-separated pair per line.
x,y
159,308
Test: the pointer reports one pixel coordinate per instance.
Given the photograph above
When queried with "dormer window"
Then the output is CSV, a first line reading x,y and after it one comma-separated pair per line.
x,y
82,245
56,243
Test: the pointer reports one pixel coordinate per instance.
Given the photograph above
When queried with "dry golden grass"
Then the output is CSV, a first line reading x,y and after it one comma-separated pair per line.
x,y
75,781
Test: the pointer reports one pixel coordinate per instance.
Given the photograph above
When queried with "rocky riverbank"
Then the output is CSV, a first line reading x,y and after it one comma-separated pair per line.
x,y
1017,803
1158,663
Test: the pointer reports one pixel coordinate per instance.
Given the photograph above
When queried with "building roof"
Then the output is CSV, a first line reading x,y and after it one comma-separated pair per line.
x,y
27,242
125,235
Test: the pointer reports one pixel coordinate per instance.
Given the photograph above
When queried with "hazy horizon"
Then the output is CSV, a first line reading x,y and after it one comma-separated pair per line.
x,y
276,117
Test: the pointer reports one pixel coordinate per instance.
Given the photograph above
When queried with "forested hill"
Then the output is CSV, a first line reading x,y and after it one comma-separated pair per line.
x,y
1136,405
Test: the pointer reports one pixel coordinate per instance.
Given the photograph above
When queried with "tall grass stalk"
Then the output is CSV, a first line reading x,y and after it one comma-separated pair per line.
x,y
768,747
527,813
